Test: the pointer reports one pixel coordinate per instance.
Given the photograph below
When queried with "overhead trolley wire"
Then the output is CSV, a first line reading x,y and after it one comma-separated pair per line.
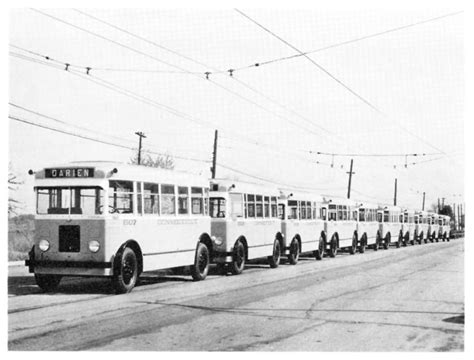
x,y
346,42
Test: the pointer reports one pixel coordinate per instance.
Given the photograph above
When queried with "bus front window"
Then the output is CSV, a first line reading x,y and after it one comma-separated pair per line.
x,y
69,201
217,207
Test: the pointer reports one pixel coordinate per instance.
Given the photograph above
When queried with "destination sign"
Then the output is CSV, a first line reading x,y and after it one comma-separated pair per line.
x,y
69,173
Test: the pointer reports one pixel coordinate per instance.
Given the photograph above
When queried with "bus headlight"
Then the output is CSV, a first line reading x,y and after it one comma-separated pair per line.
x,y
217,240
94,246
43,245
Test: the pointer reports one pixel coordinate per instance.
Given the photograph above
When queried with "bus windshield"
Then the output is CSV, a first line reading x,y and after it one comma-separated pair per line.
x,y
69,200
217,207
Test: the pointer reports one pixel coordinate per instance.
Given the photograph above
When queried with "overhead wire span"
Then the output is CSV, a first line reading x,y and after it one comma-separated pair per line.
x,y
18,119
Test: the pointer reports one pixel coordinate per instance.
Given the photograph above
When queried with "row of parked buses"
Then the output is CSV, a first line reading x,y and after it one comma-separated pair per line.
x,y
116,220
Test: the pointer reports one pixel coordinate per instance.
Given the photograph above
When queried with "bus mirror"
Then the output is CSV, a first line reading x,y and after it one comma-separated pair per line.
x,y
30,172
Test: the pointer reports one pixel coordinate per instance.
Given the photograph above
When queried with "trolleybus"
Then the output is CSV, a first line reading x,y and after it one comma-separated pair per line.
x,y
422,227
408,227
367,227
434,227
244,224
302,225
341,226
390,229
117,220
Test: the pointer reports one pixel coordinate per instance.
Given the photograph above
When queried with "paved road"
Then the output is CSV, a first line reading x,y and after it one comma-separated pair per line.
x,y
408,299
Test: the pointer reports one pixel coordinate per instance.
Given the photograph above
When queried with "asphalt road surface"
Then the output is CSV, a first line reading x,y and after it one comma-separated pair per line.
x,y
407,299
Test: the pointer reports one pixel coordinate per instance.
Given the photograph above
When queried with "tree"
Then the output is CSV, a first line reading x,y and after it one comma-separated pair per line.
x,y
159,161
13,182
447,210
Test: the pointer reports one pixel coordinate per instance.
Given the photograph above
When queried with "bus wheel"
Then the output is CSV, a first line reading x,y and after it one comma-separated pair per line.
x,y
125,272
386,243
274,260
238,258
294,255
333,247
200,268
377,242
318,254
47,282
399,242
352,249
362,245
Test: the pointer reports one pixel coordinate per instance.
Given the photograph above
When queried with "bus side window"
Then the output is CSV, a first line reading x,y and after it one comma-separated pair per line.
x,y
236,205
121,196
281,211
379,217
168,206
266,206
251,206
323,213
197,201
183,197
274,207
151,198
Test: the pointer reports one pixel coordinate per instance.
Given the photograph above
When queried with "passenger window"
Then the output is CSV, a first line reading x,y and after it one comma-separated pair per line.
x,y
251,206
197,201
151,198
274,207
266,206
121,196
183,197
168,198
237,204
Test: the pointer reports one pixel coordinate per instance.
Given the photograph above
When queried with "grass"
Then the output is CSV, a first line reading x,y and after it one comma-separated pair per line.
x,y
21,230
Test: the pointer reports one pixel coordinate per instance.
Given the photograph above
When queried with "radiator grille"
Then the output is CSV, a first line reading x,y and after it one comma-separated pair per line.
x,y
69,238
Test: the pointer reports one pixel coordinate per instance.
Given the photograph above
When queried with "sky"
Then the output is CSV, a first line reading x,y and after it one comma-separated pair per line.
x,y
400,92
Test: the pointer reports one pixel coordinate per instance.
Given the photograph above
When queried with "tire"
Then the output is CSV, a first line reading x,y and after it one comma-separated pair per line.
x,y
238,258
200,268
377,242
432,238
333,248
386,243
319,254
362,244
274,259
47,282
125,271
405,240
294,255
352,249
399,242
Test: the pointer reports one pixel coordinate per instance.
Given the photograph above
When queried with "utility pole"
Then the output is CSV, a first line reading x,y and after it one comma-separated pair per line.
x,y
454,216
395,195
140,135
442,203
438,206
214,156
423,207
350,180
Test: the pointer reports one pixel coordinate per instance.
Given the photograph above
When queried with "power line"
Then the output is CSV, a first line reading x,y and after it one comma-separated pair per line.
x,y
97,140
360,97
370,155
346,42
172,65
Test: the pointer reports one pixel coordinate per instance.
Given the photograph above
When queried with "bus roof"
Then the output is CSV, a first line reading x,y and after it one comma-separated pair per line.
x,y
367,205
340,201
97,173
240,187
393,208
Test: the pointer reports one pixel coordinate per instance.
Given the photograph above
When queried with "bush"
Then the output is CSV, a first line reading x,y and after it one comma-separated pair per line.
x,y
21,234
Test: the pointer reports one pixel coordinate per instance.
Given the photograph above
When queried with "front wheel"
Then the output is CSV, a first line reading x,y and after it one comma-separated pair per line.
x,y
377,242
46,282
125,271
362,245
238,258
318,254
274,259
294,255
200,268
386,243
352,249
399,242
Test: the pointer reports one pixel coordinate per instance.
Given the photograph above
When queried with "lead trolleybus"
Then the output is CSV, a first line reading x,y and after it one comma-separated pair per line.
x,y
116,220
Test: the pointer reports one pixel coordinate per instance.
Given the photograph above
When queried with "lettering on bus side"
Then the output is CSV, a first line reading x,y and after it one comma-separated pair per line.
x,y
177,222
131,222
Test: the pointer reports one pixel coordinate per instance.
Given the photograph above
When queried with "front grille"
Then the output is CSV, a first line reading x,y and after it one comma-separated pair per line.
x,y
69,238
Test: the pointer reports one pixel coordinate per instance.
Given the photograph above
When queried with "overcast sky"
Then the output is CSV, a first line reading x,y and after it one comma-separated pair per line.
x,y
401,92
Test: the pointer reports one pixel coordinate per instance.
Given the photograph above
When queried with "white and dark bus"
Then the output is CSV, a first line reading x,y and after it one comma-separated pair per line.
x,y
118,220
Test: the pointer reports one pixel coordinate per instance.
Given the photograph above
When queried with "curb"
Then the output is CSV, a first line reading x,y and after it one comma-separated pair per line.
x,y
16,263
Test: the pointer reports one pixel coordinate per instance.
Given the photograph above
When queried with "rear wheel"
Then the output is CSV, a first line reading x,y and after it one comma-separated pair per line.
x,y
353,247
294,255
238,258
274,260
125,271
200,268
362,244
318,254
333,247
399,242
47,282
377,242
386,243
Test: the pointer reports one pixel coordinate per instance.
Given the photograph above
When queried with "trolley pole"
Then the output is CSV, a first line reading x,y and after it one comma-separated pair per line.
x,y
423,207
350,180
140,136
395,194
214,156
